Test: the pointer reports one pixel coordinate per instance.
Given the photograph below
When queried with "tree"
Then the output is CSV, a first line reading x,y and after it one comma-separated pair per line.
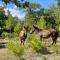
x,y
41,23
17,27
29,19
32,15
21,3
10,22
52,16
58,3
3,18
27,5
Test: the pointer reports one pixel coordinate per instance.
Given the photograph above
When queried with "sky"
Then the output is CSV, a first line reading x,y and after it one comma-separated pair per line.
x,y
20,13
44,3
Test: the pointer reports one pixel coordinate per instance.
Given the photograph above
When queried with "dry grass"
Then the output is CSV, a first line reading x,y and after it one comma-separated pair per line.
x,y
5,54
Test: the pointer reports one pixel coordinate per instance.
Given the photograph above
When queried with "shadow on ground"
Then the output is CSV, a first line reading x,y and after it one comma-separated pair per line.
x,y
45,51
2,46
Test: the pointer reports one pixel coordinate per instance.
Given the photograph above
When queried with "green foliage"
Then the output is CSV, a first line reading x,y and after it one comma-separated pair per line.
x,y
57,15
29,19
42,58
2,14
58,27
1,30
6,34
35,42
41,23
13,45
2,17
15,34
9,23
17,27
55,48
34,5
19,3
54,15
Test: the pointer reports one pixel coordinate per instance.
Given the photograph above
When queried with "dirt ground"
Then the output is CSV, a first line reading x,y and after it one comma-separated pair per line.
x,y
5,54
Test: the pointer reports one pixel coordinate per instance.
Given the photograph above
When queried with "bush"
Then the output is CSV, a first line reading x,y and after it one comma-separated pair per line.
x,y
17,27
15,48
43,58
35,42
6,34
58,27
55,48
41,23
15,34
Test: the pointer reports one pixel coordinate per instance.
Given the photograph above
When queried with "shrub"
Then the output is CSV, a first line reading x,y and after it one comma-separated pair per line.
x,y
15,34
42,58
55,48
15,48
41,23
35,42
6,34
58,27
17,27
